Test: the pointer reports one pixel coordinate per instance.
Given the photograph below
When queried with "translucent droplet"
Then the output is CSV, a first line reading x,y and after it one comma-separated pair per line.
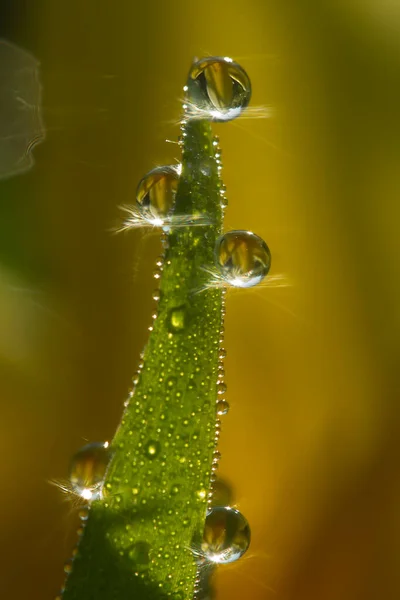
x,y
155,193
243,258
218,89
222,407
152,448
20,116
68,567
226,535
177,319
221,387
88,468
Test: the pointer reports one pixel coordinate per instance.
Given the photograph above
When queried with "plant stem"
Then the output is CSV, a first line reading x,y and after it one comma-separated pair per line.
x,y
138,539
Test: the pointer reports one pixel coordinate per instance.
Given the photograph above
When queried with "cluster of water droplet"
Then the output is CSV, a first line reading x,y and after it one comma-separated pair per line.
x,y
218,89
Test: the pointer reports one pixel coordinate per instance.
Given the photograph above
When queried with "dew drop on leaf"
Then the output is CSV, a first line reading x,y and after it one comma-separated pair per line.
x,y
226,535
222,407
217,89
243,258
88,468
152,449
177,318
221,387
156,191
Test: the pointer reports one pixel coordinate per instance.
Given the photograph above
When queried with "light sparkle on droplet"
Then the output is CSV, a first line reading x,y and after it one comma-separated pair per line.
x,y
218,89
226,535
242,258
87,470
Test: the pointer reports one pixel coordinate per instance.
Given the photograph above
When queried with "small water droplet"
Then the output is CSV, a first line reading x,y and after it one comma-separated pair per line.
x,y
156,295
218,89
226,535
152,449
175,490
83,514
222,353
68,567
243,258
201,494
170,382
88,468
156,192
222,407
177,318
221,387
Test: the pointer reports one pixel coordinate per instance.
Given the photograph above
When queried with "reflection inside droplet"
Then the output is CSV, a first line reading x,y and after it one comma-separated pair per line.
x,y
226,535
88,468
243,258
21,121
156,191
218,89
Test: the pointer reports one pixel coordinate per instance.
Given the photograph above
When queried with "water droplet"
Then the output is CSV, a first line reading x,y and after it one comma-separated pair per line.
x,y
152,448
226,535
68,567
177,319
155,193
175,490
156,295
222,353
201,494
170,382
243,258
88,468
218,89
83,514
222,407
221,387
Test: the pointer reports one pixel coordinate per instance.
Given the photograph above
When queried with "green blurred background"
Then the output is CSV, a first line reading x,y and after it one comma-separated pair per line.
x,y
311,444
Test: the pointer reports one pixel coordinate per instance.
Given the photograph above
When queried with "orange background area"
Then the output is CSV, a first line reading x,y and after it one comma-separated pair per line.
x,y
311,444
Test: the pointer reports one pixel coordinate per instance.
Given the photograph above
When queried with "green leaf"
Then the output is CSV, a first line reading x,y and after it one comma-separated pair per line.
x,y
139,538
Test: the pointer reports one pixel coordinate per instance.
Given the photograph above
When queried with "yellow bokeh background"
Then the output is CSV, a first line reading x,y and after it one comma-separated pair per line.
x,y
311,445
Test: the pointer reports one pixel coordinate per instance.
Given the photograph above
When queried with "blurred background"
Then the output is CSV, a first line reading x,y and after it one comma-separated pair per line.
x,y
311,444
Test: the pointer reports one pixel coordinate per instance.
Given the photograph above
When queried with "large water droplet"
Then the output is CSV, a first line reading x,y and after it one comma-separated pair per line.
x,y
218,89
243,258
88,468
155,193
226,535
